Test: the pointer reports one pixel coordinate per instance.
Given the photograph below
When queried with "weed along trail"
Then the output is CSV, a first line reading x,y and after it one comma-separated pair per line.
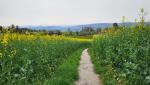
x,y
87,76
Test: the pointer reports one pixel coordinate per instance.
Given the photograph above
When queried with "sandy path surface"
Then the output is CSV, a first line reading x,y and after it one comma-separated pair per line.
x,y
87,75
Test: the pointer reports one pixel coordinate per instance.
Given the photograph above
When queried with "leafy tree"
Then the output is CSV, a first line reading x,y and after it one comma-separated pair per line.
x,y
115,25
98,30
1,28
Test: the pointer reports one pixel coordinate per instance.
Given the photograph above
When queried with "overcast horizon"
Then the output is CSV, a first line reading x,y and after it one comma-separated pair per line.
x,y
70,12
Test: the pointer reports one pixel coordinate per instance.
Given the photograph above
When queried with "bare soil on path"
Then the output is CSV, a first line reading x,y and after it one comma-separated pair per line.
x,y
87,76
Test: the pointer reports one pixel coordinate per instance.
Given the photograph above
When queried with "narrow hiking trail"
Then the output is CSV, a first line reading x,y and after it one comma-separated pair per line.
x,y
87,76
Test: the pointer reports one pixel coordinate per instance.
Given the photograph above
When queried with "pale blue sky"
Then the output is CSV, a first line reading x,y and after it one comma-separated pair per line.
x,y
70,12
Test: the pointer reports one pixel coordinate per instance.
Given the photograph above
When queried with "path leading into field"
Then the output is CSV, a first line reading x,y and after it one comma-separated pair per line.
x,y
87,76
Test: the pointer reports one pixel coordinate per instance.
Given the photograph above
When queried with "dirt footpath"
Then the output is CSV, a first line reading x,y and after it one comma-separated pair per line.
x,y
87,76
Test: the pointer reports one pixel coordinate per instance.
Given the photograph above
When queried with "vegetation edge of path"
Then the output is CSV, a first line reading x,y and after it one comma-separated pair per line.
x,y
66,73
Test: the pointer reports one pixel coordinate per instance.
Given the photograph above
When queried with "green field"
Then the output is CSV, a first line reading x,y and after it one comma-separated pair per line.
x,y
27,59
120,56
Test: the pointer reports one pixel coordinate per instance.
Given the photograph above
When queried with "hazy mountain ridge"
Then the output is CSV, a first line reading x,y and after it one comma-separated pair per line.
x,y
76,27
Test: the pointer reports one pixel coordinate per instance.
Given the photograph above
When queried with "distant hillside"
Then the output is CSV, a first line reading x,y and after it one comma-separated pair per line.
x,y
76,27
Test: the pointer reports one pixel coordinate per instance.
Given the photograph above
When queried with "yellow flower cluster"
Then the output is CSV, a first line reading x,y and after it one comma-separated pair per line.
x,y
4,39
7,37
3,42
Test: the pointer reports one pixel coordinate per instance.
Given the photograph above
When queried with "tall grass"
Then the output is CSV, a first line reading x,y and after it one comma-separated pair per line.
x,y
66,73
122,56
32,59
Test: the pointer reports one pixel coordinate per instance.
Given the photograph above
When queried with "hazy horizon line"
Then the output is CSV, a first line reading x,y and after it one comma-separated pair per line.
x,y
66,24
